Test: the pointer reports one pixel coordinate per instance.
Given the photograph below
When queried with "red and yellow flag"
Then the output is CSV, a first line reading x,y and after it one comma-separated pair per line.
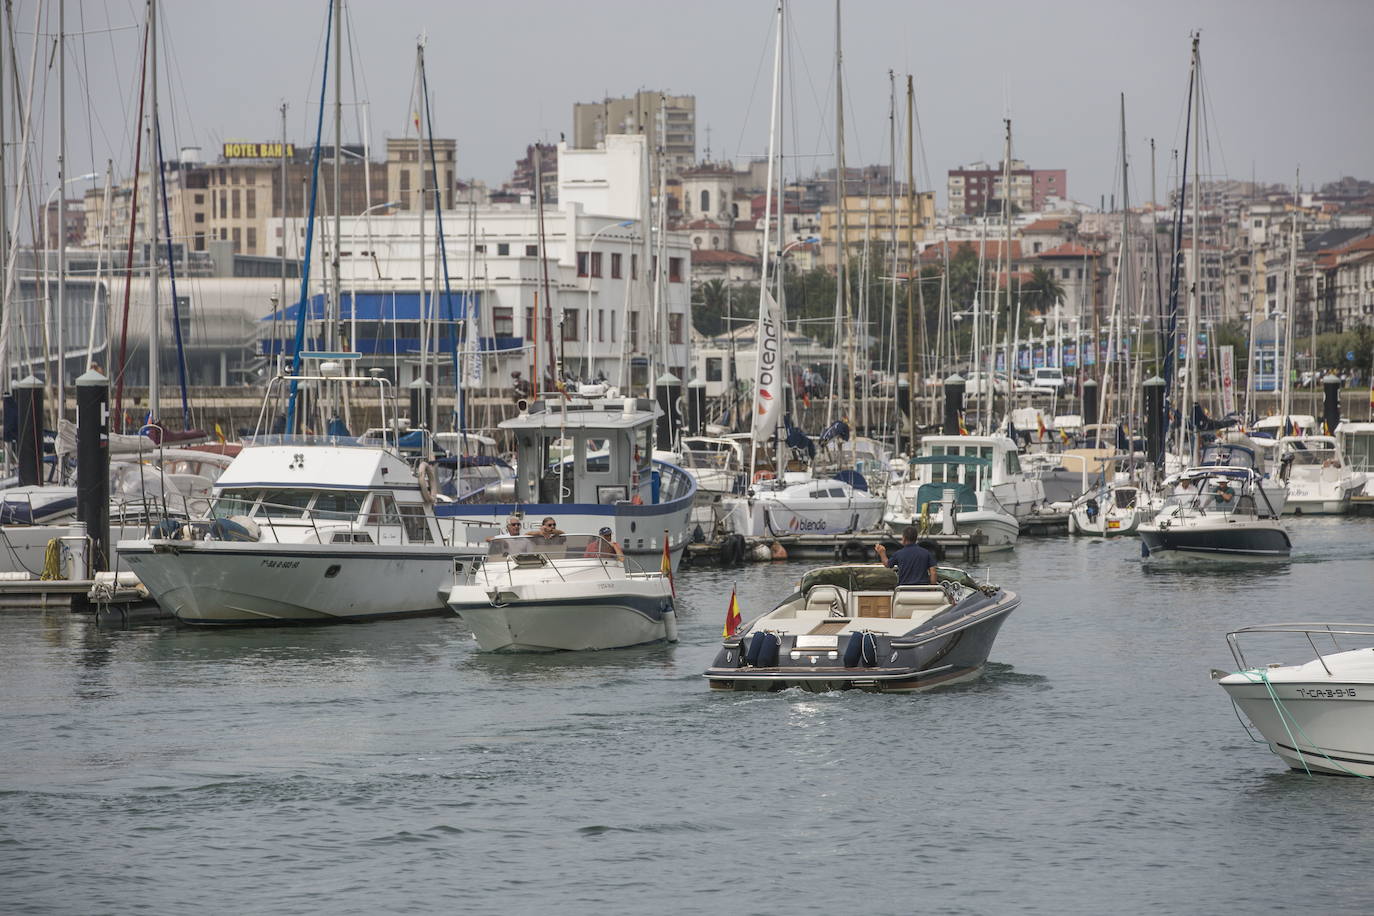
x,y
732,617
963,430
667,564
1040,421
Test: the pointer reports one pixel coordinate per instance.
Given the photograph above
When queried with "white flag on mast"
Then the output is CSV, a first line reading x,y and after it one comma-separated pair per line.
x,y
768,377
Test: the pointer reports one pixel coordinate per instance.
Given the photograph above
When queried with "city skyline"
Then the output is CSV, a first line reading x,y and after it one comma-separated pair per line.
x,y
1057,73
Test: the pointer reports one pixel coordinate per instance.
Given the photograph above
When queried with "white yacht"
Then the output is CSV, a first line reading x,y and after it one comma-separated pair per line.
x,y
304,529
1317,716
1112,510
563,592
801,504
1319,481
983,475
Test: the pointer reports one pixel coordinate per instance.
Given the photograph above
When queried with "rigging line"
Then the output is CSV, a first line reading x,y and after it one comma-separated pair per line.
x,y
765,54
172,275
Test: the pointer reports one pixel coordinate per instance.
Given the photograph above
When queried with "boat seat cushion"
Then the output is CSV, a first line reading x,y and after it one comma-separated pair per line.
x,y
917,602
825,598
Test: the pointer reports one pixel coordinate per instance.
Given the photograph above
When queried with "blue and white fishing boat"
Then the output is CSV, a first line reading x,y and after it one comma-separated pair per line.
x,y
587,462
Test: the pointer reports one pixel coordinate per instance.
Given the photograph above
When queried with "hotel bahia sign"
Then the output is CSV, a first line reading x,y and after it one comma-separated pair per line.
x,y
257,150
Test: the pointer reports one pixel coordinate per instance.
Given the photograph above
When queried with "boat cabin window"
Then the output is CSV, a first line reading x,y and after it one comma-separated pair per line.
x,y
339,504
284,503
383,510
1013,464
598,460
417,524
1359,450
351,537
1301,454
234,502
643,450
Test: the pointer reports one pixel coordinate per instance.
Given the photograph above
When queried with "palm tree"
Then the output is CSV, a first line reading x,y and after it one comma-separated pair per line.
x,y
1041,291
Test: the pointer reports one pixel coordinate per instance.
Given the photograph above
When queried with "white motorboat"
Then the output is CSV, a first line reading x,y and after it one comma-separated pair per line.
x,y
1219,512
304,529
1111,510
853,627
1316,716
1319,481
990,492
800,504
718,464
1357,449
567,592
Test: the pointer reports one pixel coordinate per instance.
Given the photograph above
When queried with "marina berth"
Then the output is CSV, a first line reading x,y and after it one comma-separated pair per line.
x,y
1317,716
1319,482
540,592
853,627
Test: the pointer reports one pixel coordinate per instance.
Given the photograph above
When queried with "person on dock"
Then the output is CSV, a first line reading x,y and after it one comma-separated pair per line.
x,y
914,564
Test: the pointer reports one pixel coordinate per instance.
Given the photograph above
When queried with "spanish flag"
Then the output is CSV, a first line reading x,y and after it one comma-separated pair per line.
x,y
1063,435
1040,421
963,430
219,434
732,617
667,565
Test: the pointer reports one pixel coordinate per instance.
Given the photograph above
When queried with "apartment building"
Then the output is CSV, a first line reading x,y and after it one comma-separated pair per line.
x,y
978,189
668,122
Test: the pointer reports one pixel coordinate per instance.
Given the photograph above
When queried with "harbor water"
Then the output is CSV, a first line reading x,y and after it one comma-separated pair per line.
x,y
391,767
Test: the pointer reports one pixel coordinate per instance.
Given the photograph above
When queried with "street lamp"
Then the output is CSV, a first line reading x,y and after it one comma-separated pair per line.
x,y
591,254
61,287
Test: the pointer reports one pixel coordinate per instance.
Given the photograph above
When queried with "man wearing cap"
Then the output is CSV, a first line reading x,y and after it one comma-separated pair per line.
x,y
604,547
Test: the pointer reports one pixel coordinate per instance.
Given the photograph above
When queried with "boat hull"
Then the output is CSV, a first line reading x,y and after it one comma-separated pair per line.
x,y
567,619
217,583
1323,726
1217,540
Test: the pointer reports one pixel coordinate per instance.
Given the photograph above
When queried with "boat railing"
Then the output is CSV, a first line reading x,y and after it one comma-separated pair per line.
x,y
608,561
1309,631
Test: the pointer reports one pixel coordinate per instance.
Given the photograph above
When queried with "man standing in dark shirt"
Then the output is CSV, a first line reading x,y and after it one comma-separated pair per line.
x,y
914,564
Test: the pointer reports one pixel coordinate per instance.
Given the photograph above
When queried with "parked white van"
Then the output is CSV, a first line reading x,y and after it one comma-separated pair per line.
x,y
1048,377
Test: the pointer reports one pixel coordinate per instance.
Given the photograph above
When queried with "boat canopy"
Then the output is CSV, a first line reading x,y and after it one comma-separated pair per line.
x,y
867,577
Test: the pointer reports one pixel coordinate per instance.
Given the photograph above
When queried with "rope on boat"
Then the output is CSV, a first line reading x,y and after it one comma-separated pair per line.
x,y
1259,675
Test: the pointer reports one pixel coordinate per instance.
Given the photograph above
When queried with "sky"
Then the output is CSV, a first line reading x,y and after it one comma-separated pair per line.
x,y
1287,84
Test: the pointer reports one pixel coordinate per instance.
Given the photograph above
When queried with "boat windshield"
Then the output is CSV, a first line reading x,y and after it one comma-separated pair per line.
x,y
1310,453
558,547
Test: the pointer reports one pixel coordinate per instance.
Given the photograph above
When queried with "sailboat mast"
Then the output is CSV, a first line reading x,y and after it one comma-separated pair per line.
x,y
61,406
1195,288
333,333
842,247
996,312
914,381
766,311
1291,314
155,329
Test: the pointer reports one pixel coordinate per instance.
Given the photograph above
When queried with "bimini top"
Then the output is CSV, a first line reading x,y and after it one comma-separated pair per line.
x,y
581,413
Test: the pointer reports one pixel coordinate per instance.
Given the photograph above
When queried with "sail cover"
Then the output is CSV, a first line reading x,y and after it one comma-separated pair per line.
x,y
768,377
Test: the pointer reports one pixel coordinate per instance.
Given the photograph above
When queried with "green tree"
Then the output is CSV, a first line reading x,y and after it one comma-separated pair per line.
x,y
1041,291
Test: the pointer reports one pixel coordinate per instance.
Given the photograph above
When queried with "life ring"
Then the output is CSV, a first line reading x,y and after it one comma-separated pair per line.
x,y
429,482
762,475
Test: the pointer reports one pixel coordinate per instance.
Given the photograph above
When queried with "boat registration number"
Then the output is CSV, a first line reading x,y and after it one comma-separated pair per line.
x,y
281,564
1325,692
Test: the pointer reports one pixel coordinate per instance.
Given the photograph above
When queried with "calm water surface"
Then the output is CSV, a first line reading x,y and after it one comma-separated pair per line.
x,y
391,767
